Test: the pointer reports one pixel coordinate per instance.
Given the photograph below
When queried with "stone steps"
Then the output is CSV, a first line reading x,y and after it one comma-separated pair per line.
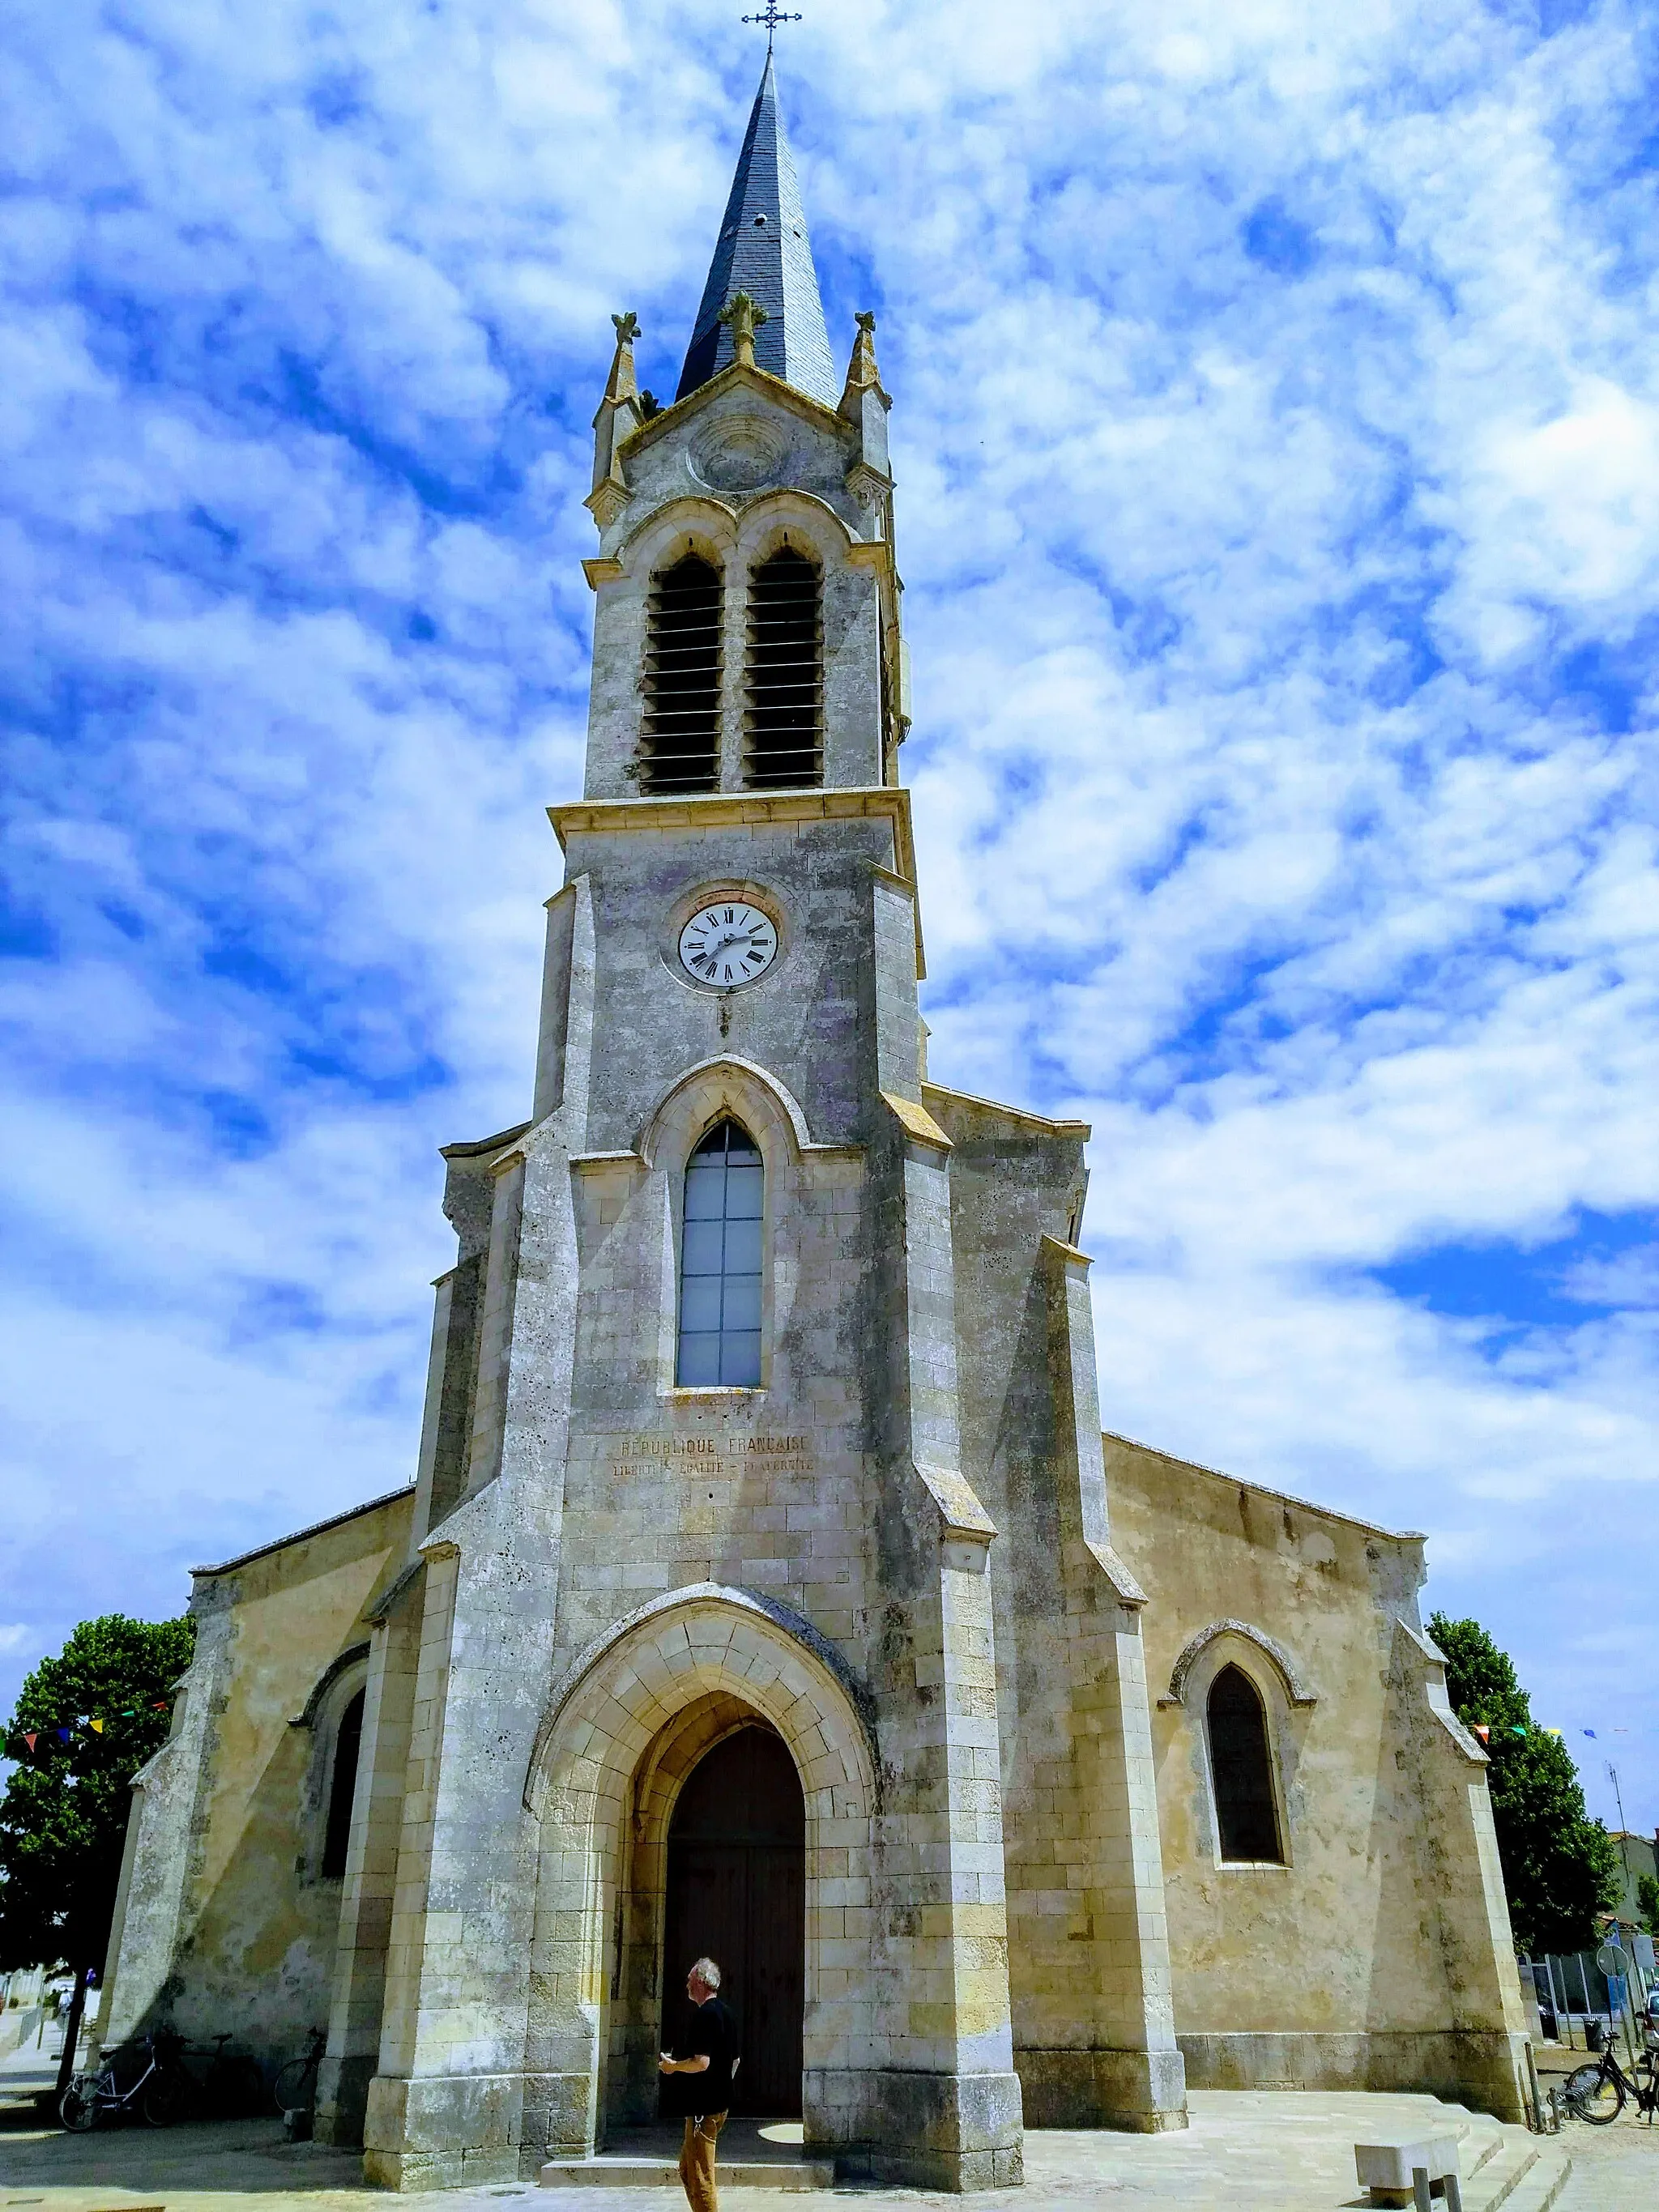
x,y
1526,2176
752,2155
603,2171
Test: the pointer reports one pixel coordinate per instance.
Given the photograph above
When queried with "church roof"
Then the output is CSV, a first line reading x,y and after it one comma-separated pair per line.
x,y
763,250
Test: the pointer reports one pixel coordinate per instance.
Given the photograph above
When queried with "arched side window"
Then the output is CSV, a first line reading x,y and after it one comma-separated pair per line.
x,y
721,1261
1240,1767
681,749
342,1785
783,721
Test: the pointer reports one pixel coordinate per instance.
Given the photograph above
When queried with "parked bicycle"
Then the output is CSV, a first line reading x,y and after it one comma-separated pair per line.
x,y
295,2086
167,2087
1597,2092
230,2088
154,2094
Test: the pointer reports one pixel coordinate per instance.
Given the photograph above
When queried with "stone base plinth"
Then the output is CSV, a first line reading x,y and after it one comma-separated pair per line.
x,y
439,2132
1468,2066
342,2100
1140,2092
955,2131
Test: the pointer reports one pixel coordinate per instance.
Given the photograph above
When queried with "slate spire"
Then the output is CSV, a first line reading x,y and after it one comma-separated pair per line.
x,y
764,251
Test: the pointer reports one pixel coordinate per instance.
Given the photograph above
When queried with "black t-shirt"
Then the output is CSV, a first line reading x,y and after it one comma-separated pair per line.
x,y
709,2031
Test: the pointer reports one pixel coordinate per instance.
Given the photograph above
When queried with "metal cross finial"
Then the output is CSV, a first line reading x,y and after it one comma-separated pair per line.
x,y
772,18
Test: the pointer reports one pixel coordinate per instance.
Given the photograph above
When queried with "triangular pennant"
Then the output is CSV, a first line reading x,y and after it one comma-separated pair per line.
x,y
97,1727
1483,1731
1589,1731
65,1734
29,1735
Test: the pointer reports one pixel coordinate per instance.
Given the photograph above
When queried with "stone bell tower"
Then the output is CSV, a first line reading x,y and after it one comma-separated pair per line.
x,y
761,1408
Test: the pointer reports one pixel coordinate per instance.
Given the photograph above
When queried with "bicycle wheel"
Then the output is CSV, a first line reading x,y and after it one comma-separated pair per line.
x,y
78,2108
1594,2094
296,2088
162,2101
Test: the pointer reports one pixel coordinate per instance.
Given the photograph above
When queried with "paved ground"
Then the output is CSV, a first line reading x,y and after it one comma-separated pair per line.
x,y
1614,2169
1267,2152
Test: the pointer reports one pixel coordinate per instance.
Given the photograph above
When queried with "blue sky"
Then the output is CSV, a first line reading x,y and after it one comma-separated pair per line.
x,y
1278,435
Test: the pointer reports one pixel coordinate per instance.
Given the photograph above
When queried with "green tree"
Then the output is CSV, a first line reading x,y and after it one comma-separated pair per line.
x,y
64,1816
1560,1868
1647,1893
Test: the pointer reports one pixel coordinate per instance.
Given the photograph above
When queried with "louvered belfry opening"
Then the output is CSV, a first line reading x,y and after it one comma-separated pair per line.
x,y
681,751
783,725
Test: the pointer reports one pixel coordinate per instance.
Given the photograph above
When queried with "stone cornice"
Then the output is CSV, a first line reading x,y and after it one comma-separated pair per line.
x,y
720,810
1021,1114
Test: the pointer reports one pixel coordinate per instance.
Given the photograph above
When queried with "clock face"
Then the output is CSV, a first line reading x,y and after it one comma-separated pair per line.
x,y
727,943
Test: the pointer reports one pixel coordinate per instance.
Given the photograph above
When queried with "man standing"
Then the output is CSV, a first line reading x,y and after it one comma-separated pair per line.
x,y
710,2055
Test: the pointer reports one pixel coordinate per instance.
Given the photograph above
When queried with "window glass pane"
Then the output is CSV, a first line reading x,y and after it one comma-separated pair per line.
x,y
702,1242
719,1316
700,1302
743,1193
703,1192
700,1359
740,1360
743,1248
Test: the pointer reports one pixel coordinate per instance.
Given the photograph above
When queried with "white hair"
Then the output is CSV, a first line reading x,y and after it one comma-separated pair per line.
x,y
708,1973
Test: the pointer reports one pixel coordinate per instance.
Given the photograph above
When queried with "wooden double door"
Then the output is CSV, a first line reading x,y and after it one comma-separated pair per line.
x,y
736,1893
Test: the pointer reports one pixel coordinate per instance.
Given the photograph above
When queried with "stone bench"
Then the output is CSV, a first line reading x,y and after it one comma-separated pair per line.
x,y
1385,2169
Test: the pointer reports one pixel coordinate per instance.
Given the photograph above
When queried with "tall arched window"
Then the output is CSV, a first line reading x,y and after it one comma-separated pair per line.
x,y
721,1261
1242,1768
783,725
682,730
348,1743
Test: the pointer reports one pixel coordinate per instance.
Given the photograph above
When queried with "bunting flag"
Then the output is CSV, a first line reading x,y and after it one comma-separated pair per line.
x,y
1589,1731
65,1732
1483,1731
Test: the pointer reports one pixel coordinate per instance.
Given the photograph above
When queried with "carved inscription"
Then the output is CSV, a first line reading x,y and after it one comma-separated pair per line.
x,y
720,1458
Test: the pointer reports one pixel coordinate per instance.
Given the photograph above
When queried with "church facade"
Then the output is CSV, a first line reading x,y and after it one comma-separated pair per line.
x,y
767,1586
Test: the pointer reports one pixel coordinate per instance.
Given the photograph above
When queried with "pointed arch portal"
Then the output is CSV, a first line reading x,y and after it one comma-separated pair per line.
x,y
736,1890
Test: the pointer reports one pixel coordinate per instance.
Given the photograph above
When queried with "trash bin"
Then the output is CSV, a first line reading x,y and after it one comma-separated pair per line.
x,y
1595,2036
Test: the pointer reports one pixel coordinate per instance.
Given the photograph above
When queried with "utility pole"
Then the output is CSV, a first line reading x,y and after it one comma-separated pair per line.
x,y
1624,1836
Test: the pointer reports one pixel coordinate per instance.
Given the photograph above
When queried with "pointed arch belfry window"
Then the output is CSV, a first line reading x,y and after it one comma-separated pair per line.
x,y
720,1333
1241,1770
783,674
680,744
